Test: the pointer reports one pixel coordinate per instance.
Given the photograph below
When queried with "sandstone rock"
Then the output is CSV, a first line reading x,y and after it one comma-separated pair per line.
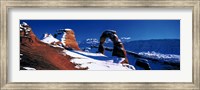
x,y
41,56
69,39
143,63
118,47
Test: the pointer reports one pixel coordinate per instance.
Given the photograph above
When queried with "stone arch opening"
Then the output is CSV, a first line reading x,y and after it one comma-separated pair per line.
x,y
118,47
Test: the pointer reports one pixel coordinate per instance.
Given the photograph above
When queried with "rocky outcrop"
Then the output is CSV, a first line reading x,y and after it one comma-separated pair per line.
x,y
143,63
39,55
49,39
118,47
69,40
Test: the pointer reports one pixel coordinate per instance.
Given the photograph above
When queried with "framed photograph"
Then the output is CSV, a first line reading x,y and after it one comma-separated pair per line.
x,y
100,45
106,44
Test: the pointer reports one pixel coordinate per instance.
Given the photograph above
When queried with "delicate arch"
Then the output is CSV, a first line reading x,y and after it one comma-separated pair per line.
x,y
118,47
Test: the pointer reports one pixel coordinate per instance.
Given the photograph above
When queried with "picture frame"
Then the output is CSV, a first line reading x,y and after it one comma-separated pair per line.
x,y
4,45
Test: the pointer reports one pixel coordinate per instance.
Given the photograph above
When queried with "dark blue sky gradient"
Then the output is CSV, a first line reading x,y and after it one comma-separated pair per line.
x,y
136,29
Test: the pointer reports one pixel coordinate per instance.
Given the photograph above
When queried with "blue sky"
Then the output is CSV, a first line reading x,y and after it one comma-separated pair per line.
x,y
136,29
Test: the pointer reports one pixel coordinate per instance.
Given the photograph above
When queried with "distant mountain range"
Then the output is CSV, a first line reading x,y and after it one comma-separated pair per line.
x,y
158,53
164,46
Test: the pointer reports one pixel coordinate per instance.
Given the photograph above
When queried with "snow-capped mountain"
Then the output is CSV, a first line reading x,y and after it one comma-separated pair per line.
x,y
91,41
95,41
85,44
67,39
125,39
48,38
164,46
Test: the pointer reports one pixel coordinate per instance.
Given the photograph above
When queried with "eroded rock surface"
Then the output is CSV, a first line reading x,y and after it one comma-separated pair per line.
x,y
118,47
39,55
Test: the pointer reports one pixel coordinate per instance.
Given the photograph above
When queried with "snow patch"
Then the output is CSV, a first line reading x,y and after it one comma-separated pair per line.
x,y
68,29
63,39
126,38
92,41
163,57
118,59
49,39
21,55
20,27
46,35
95,61
29,68
24,24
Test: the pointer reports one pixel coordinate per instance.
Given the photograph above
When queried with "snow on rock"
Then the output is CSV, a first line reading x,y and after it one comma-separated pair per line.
x,y
24,24
29,68
21,55
20,27
117,59
63,39
68,29
69,40
48,38
95,61
45,35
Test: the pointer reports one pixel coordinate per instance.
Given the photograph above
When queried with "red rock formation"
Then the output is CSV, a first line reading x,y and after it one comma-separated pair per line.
x,y
69,39
118,47
42,56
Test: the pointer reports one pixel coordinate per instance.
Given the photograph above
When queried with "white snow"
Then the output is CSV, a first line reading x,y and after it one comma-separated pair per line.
x,y
92,41
20,26
46,35
29,68
49,39
63,39
117,59
126,38
95,61
68,29
90,61
164,57
21,56
24,24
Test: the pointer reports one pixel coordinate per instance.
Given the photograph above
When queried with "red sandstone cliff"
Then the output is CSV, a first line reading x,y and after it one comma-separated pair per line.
x,y
41,56
69,39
